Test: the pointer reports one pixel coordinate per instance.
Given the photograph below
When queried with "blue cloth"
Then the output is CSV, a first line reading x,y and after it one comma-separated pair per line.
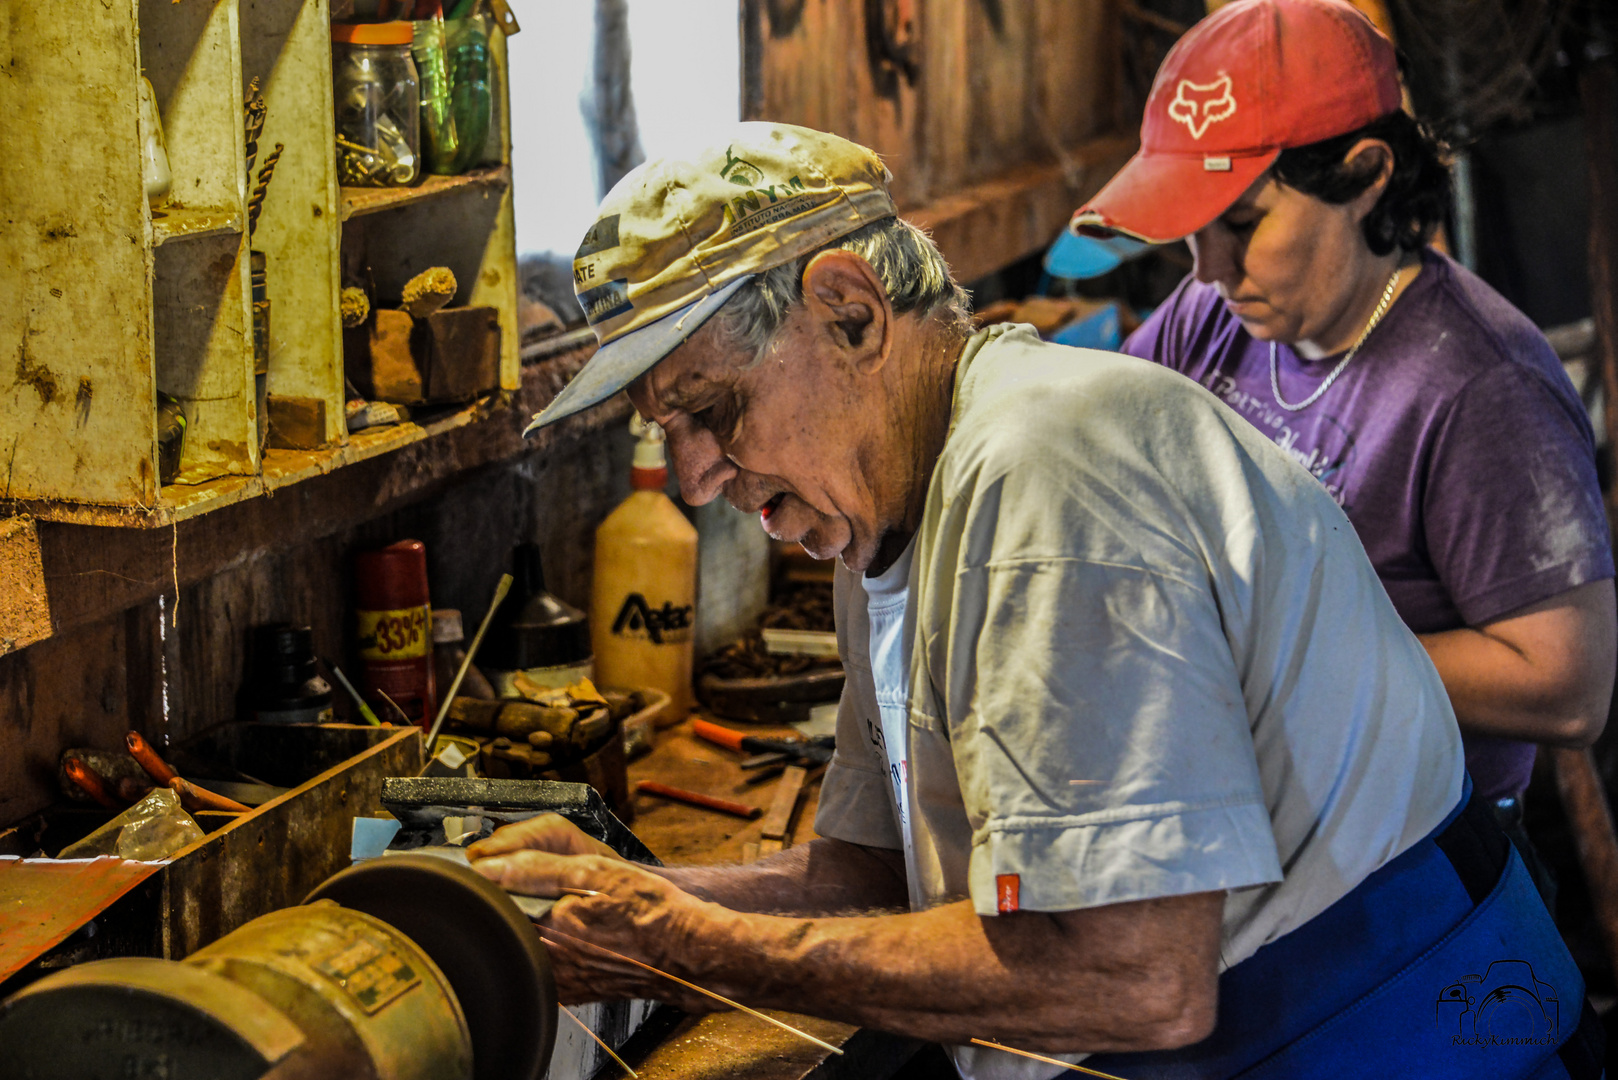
x,y
1405,976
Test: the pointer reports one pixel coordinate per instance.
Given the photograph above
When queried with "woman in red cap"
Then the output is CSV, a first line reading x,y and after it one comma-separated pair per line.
x,y
1434,412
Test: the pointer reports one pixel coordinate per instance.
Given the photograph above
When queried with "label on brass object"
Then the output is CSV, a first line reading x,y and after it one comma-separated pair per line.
x,y
368,969
395,635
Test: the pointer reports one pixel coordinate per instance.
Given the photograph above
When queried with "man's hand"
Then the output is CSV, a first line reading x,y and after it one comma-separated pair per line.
x,y
635,912
547,832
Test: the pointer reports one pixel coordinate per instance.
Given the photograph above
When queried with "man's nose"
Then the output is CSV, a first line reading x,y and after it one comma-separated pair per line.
x,y
1213,251
699,464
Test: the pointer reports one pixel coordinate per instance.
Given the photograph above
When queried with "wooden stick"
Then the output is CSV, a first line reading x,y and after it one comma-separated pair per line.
x,y
692,986
1590,818
778,822
1046,1060
697,798
500,591
566,891
600,1041
195,798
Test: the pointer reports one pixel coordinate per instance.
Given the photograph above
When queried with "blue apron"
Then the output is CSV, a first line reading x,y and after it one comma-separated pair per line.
x,y
1443,965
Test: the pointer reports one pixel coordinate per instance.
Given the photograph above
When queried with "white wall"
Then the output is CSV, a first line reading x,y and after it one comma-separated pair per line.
x,y
685,76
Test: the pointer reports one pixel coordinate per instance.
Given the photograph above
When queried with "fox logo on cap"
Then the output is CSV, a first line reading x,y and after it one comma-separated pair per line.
x,y
1196,105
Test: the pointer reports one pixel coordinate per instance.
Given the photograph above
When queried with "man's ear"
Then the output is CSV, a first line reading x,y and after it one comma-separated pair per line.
x,y
847,301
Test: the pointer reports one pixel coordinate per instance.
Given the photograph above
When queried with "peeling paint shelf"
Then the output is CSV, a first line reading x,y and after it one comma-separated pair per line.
x,y
119,306
358,201
177,223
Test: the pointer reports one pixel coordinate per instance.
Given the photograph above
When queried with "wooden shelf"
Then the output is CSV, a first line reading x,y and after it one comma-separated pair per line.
x,y
177,223
358,201
281,469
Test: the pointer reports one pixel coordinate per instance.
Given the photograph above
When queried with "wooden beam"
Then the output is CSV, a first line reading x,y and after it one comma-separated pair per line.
x,y
993,224
1584,796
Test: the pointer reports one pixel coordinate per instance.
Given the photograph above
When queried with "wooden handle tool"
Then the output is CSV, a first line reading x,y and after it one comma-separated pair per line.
x,y
194,798
697,798
89,781
148,759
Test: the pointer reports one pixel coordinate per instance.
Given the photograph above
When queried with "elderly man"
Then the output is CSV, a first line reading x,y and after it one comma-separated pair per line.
x,y
1133,741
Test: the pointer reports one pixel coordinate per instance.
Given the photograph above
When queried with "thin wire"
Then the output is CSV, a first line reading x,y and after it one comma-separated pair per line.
x,y
601,1041
1046,1060
174,566
693,986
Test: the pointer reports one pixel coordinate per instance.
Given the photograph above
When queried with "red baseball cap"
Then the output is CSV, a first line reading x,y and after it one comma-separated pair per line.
x,y
1250,80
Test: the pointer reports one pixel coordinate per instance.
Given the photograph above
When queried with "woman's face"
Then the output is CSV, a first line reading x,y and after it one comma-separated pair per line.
x,y
1292,267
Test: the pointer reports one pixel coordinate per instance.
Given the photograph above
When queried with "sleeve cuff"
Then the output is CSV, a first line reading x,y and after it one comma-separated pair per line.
x,y
856,807
1061,866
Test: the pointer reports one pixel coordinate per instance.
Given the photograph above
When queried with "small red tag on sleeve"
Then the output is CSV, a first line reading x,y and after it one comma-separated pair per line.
x,y
1007,890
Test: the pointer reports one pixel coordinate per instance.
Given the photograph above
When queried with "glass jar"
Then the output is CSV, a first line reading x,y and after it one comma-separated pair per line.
x,y
377,103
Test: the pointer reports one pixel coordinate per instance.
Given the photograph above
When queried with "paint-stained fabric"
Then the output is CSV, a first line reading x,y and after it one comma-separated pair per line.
x,y
1454,441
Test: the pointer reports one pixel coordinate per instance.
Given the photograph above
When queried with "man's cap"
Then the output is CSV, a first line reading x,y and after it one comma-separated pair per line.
x,y
675,238
1253,79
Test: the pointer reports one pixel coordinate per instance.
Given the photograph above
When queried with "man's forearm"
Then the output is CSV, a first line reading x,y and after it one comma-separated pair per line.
x,y
822,877
1104,979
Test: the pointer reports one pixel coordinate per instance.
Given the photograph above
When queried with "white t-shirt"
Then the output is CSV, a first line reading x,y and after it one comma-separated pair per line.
x,y
887,597
1148,657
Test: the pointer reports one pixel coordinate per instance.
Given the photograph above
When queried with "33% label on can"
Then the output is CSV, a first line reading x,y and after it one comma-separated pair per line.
x,y
395,635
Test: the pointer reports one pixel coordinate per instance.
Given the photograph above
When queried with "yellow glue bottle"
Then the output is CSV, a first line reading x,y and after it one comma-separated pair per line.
x,y
643,604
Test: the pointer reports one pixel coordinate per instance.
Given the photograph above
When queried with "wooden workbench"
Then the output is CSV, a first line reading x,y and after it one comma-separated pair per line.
x,y
731,1044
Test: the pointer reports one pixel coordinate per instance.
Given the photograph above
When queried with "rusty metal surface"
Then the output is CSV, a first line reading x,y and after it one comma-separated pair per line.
x,y
43,901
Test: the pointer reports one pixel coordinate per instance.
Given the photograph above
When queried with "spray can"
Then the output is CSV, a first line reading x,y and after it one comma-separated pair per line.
x,y
394,627
643,602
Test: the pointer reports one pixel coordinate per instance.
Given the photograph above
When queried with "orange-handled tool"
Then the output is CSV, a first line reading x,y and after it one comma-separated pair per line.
x,y
697,798
708,731
142,752
89,781
194,798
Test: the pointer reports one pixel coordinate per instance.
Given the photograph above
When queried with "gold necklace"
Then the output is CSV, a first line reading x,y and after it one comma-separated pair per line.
x,y
1376,317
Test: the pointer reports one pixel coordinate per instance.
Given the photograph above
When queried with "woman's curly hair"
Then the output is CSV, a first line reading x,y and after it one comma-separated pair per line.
x,y
1417,198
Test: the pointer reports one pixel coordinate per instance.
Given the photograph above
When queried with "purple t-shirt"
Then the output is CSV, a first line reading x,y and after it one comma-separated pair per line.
x,y
1454,441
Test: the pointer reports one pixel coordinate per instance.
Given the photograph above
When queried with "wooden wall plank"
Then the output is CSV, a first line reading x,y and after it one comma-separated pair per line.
x,y
77,415
1002,86
287,45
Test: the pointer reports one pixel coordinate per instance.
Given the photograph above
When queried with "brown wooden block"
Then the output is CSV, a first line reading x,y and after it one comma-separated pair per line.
x,y
296,423
460,353
394,375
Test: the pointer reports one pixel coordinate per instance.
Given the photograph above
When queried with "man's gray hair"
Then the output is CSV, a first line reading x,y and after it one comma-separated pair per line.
x,y
905,259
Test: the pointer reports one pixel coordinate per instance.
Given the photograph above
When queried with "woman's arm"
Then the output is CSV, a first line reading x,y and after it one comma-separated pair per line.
x,y
1541,674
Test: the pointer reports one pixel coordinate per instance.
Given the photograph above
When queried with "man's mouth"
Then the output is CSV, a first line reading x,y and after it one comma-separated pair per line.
x,y
769,508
